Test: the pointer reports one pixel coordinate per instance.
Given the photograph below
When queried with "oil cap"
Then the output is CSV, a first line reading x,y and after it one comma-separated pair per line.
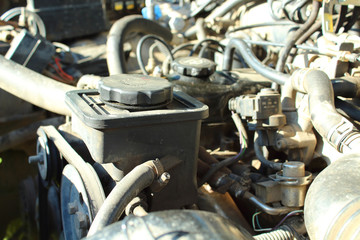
x,y
194,66
135,91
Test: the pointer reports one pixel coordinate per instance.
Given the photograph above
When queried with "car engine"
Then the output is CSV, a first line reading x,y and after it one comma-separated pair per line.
x,y
189,119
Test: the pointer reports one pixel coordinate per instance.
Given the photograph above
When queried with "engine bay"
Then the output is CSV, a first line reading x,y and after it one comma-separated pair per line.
x,y
189,119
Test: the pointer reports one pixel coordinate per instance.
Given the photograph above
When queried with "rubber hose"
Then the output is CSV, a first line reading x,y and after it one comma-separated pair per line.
x,y
295,36
117,36
282,233
348,87
354,18
251,60
220,11
326,120
33,87
315,27
129,187
348,109
260,155
341,19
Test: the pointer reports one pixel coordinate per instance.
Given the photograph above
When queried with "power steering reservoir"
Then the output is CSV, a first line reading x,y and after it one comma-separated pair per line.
x,y
134,118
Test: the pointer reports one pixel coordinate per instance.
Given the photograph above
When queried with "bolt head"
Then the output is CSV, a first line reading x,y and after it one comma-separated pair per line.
x,y
165,177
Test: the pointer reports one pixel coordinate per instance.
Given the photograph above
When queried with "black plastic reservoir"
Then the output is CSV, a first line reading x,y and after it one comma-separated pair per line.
x,y
137,118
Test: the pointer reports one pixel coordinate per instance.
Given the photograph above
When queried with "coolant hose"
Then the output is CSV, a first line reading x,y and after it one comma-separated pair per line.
x,y
327,121
284,53
332,204
348,87
117,36
251,60
33,87
129,187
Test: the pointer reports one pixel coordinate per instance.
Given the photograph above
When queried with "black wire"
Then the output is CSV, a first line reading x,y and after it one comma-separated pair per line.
x,y
217,166
315,27
296,35
182,47
297,9
139,47
266,24
212,41
259,154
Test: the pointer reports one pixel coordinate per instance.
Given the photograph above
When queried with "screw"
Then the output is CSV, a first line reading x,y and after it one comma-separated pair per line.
x,y
81,222
72,208
82,219
164,178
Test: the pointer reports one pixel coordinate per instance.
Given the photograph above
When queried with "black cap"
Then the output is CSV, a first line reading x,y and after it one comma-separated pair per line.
x,y
194,66
135,90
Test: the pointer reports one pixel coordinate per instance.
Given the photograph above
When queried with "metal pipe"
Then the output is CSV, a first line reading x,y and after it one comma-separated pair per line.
x,y
129,187
251,60
266,208
34,87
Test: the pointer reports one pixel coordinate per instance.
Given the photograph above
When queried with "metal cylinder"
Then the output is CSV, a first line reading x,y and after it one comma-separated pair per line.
x,y
294,181
332,206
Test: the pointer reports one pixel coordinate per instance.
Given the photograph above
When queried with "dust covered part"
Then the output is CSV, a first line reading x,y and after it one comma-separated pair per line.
x,y
195,120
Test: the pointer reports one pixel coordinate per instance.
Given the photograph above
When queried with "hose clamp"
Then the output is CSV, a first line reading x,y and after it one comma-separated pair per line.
x,y
338,135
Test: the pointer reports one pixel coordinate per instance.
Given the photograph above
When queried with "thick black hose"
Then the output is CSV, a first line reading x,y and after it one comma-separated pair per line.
x,y
347,87
251,60
295,36
117,36
33,87
348,109
129,187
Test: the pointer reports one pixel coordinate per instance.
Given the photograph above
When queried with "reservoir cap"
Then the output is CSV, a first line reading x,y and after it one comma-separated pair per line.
x,y
194,66
135,90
